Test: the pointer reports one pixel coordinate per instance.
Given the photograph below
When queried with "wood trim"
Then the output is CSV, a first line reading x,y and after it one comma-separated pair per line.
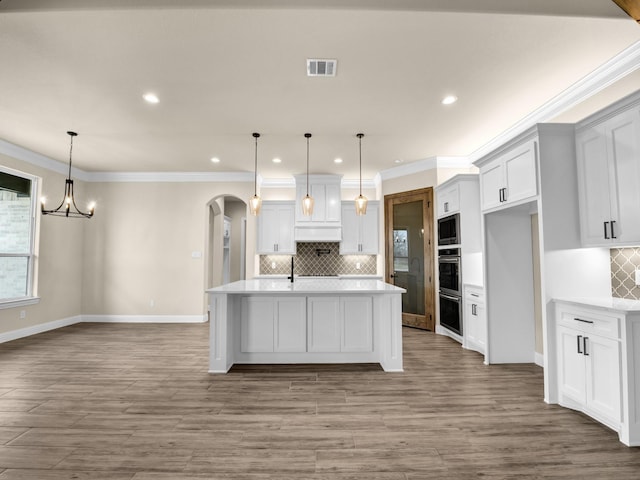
x,y
425,195
631,7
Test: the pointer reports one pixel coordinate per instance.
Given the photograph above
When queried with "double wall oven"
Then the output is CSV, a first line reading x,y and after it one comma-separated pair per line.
x,y
450,273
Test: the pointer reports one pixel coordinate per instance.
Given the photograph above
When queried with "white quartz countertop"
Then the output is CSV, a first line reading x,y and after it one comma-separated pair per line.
x,y
307,285
606,303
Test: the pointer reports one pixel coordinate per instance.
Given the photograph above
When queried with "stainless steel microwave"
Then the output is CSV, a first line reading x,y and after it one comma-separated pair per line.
x,y
449,230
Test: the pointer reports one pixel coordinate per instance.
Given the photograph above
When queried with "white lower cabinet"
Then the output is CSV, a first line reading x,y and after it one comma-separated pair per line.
x,y
475,319
340,324
273,324
588,363
332,324
323,324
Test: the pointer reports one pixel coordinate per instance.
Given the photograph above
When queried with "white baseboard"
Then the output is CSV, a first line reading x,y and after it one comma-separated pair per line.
x,y
65,322
144,318
40,328
539,359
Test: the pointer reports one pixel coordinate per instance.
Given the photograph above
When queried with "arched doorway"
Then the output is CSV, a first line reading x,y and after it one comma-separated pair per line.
x,y
226,240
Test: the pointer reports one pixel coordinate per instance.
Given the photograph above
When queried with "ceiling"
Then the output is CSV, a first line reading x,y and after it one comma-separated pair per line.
x,y
224,69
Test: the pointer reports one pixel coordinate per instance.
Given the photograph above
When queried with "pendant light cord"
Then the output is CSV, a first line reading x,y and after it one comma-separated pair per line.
x,y
255,169
71,134
360,135
307,136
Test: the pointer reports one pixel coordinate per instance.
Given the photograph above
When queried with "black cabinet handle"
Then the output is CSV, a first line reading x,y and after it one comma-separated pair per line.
x,y
504,194
606,236
581,320
474,309
584,344
613,235
579,337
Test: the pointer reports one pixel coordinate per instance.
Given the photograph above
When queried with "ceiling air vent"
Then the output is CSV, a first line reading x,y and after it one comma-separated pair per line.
x,y
321,68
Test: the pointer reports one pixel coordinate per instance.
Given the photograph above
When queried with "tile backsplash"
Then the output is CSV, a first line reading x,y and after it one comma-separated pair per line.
x,y
318,258
624,262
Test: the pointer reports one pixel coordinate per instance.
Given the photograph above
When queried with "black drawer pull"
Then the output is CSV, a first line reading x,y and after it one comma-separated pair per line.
x,y
474,294
583,321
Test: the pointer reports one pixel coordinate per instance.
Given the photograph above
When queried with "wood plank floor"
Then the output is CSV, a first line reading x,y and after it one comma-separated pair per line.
x,y
135,402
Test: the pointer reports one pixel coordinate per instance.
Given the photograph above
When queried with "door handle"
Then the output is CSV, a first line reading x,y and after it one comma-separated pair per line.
x,y
578,338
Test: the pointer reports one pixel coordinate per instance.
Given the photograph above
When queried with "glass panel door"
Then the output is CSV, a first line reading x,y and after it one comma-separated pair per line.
x,y
409,262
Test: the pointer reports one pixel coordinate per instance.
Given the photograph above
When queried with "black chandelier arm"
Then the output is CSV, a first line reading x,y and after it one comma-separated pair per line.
x,y
59,211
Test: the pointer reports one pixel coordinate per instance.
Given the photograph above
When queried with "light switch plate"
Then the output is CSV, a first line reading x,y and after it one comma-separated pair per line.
x,y
638,276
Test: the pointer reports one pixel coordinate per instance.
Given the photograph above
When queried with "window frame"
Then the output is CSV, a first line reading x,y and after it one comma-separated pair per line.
x,y
31,297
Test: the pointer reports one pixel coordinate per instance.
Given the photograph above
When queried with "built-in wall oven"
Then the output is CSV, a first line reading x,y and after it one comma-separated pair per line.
x,y
450,276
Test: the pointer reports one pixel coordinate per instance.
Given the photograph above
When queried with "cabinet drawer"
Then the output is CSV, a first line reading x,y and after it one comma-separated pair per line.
x,y
589,321
474,294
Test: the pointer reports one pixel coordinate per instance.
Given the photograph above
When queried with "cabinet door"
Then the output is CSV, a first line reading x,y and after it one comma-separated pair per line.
x,y
333,203
369,229
323,324
571,365
623,150
256,324
285,241
449,200
275,228
491,181
520,173
268,229
290,327
603,376
350,229
593,184
470,327
481,332
356,315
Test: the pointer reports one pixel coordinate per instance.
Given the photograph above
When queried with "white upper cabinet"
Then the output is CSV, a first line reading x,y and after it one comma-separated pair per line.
x,y
448,201
275,228
325,190
510,178
608,177
360,232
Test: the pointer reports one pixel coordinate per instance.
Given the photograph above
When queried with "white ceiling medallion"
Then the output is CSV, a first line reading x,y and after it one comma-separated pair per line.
x,y
317,67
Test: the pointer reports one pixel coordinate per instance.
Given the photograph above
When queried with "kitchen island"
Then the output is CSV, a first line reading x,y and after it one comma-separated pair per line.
x,y
271,321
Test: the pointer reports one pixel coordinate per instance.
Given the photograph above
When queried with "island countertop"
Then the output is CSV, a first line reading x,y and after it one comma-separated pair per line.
x,y
307,285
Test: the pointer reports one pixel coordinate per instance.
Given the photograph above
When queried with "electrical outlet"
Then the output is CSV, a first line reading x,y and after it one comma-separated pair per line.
x,y
23,314
273,265
638,276
357,265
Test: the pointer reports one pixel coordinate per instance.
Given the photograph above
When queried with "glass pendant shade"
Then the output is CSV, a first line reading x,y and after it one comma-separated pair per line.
x,y
307,205
361,205
255,204
307,201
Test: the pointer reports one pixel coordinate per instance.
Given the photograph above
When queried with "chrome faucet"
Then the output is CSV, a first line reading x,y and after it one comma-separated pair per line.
x,y
291,277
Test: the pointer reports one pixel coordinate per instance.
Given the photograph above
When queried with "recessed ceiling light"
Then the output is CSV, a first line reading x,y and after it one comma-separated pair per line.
x,y
398,161
337,160
215,160
151,98
276,160
449,99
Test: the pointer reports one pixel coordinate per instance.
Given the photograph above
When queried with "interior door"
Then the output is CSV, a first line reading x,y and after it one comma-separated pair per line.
x,y
410,254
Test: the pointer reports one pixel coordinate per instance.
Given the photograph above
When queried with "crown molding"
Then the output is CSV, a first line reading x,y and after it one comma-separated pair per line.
x,y
20,153
606,74
182,177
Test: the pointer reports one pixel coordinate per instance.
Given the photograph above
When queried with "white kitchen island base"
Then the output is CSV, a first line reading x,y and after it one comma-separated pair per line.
x,y
308,321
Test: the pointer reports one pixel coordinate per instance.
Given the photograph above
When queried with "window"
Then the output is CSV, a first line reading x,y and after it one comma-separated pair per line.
x,y
400,250
17,235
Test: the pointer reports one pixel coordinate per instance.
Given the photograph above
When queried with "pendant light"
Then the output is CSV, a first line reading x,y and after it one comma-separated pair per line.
x,y
255,202
361,200
307,201
64,209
